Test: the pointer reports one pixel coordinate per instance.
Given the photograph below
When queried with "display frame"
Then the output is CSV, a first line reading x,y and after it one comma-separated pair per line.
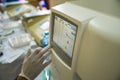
x,y
62,54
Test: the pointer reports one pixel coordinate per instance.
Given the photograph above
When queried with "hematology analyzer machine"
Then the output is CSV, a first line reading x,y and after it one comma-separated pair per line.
x,y
85,44
67,27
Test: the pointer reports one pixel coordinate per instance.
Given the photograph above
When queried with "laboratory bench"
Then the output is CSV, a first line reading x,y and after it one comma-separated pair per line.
x,y
11,60
10,68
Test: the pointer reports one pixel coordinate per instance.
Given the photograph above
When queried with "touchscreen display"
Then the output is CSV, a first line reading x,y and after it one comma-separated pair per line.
x,y
64,35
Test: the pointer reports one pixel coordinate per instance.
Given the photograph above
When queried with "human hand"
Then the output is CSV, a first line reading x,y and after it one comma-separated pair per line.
x,y
34,63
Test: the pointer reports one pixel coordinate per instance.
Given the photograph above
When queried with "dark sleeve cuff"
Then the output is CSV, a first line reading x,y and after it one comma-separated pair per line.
x,y
21,78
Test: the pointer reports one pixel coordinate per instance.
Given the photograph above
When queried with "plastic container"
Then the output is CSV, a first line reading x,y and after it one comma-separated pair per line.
x,y
45,39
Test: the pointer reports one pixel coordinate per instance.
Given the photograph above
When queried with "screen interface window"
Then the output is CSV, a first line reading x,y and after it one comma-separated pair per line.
x,y
64,35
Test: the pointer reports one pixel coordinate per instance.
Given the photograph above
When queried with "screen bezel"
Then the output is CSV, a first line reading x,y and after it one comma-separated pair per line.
x,y
57,49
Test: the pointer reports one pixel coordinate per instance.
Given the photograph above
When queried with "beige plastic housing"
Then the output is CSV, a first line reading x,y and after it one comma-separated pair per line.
x,y
96,54
33,26
17,10
99,56
79,16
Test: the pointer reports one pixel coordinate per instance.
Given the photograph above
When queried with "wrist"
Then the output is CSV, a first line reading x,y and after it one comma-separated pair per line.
x,y
23,75
20,78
